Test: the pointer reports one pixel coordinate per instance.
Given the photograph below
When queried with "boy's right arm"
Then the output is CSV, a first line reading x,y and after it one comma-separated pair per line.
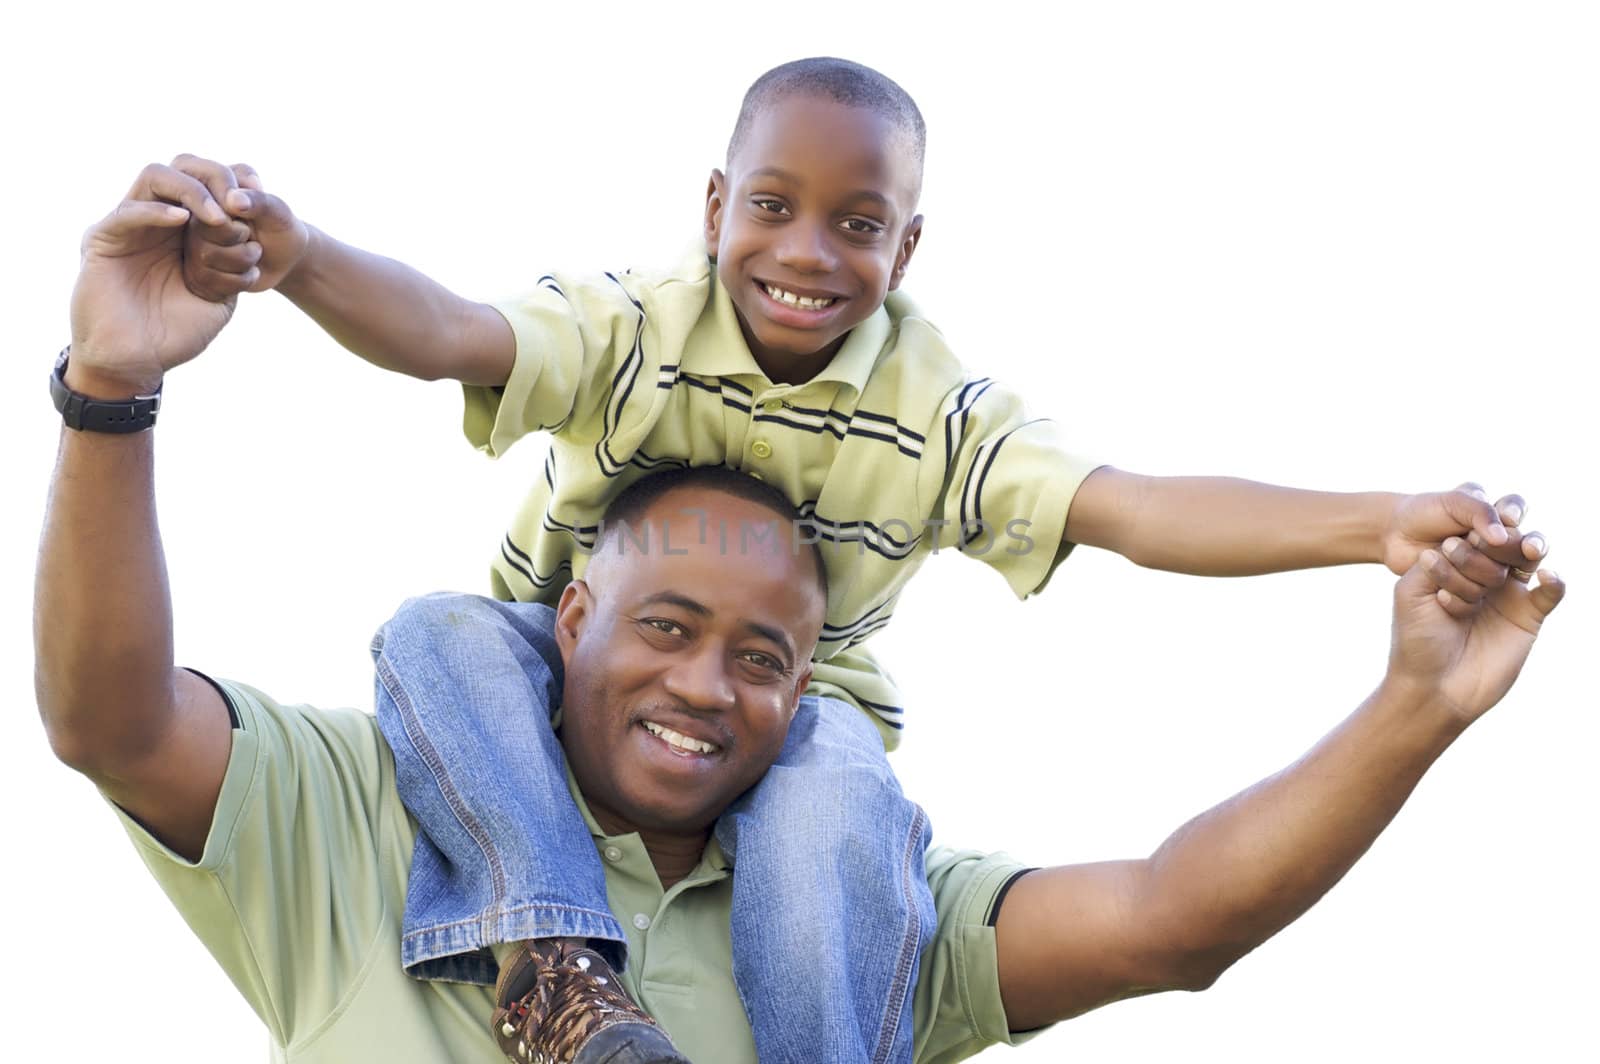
x,y
385,311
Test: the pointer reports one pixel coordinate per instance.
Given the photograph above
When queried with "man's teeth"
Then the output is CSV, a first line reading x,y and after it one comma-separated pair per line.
x,y
804,302
679,742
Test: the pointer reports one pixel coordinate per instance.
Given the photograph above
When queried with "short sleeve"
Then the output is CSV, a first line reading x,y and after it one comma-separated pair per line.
x,y
958,1011
1008,480
573,337
289,892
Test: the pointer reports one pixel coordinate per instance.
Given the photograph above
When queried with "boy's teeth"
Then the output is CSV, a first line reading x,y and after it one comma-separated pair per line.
x,y
803,302
681,742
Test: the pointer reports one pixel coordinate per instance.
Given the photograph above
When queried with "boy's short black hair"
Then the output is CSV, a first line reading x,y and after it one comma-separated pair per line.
x,y
841,80
628,508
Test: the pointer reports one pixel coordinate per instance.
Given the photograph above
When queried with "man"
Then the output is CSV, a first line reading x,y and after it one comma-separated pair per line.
x,y
278,832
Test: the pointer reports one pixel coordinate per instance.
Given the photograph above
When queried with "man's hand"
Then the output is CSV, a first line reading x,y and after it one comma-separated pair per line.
x,y
133,316
1481,540
262,234
1465,657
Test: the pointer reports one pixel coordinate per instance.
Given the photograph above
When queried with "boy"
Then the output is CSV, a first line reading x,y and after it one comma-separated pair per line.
x,y
780,351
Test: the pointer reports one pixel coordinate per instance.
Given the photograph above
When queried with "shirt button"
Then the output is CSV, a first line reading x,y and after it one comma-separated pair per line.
x,y
761,449
772,406
613,854
641,921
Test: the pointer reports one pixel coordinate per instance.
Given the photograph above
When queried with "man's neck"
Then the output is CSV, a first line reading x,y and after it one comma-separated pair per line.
x,y
673,855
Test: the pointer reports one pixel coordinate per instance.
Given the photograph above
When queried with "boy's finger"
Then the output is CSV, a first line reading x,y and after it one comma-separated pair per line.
x,y
228,234
236,258
265,211
1447,578
246,176
1474,564
1512,509
1508,553
1469,507
217,178
1534,551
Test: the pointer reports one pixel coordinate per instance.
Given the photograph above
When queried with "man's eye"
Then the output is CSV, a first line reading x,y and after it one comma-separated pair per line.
x,y
664,626
764,661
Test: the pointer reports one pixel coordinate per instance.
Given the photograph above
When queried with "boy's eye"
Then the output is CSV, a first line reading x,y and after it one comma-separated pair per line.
x,y
862,226
770,206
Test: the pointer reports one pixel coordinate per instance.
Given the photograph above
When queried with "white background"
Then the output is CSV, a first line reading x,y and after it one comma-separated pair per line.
x,y
1339,246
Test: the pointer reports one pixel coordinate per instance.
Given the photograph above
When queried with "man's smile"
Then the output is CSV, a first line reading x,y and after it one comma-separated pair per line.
x,y
680,744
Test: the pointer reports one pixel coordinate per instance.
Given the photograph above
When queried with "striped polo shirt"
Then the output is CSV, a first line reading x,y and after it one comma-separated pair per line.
x,y
892,452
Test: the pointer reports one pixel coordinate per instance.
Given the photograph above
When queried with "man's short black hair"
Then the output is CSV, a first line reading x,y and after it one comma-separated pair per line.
x,y
632,502
840,80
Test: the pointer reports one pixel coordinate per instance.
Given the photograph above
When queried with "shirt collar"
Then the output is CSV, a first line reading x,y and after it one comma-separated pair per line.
x,y
714,863
716,347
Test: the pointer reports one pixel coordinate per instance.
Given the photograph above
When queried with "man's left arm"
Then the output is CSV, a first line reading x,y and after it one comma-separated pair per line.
x,y
1222,526
1073,938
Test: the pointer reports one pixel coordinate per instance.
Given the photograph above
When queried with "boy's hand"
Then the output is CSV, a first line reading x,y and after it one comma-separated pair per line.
x,y
261,239
1482,541
1464,657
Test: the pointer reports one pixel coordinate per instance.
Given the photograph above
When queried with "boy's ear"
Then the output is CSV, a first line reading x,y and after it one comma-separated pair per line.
x,y
908,244
571,613
714,203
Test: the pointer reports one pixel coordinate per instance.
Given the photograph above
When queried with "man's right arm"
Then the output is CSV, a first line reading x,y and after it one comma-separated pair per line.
x,y
1073,938
383,310
154,738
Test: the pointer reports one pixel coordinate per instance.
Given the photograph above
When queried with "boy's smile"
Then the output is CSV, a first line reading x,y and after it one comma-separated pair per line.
x,y
811,227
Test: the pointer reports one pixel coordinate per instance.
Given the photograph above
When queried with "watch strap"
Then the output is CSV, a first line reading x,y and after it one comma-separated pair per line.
x,y
80,412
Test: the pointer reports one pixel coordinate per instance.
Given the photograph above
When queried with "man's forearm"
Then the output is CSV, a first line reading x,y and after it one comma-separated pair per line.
x,y
102,611
1237,874
395,317
1222,526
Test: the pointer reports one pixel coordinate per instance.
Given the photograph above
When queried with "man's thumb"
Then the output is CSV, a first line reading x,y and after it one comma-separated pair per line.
x,y
262,209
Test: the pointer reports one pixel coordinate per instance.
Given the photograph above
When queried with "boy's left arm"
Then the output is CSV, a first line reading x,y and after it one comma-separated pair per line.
x,y
1221,526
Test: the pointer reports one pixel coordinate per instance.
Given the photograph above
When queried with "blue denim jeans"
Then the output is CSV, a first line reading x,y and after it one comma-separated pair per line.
x,y
831,906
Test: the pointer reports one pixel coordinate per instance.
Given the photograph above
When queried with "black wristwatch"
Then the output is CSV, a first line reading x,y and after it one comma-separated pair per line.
x,y
99,415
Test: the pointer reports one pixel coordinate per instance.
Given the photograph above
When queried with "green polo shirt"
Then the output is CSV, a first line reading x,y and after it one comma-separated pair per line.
x,y
893,451
301,886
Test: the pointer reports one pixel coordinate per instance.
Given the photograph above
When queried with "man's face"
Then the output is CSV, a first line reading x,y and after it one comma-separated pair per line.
x,y
683,668
812,225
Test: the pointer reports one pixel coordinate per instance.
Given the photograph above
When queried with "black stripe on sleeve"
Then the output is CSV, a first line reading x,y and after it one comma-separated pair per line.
x,y
227,699
1000,895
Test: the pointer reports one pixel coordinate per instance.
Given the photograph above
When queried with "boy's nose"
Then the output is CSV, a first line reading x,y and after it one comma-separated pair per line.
x,y
806,249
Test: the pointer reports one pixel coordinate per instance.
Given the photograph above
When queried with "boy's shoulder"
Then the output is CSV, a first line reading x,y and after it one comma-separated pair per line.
x,y
917,350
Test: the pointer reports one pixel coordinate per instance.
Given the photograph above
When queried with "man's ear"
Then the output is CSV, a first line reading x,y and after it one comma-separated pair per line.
x,y
572,612
802,680
908,244
715,192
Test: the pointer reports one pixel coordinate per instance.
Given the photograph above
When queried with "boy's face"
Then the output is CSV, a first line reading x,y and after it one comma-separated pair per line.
x,y
811,227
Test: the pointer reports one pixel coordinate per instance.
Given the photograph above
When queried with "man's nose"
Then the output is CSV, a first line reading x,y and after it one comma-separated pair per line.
x,y
806,249
701,682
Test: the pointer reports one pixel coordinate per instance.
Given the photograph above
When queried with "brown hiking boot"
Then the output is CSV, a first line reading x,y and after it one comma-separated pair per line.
x,y
560,1003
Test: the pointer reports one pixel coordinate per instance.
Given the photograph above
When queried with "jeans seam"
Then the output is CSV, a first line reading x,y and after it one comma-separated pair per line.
x,y
905,962
447,789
